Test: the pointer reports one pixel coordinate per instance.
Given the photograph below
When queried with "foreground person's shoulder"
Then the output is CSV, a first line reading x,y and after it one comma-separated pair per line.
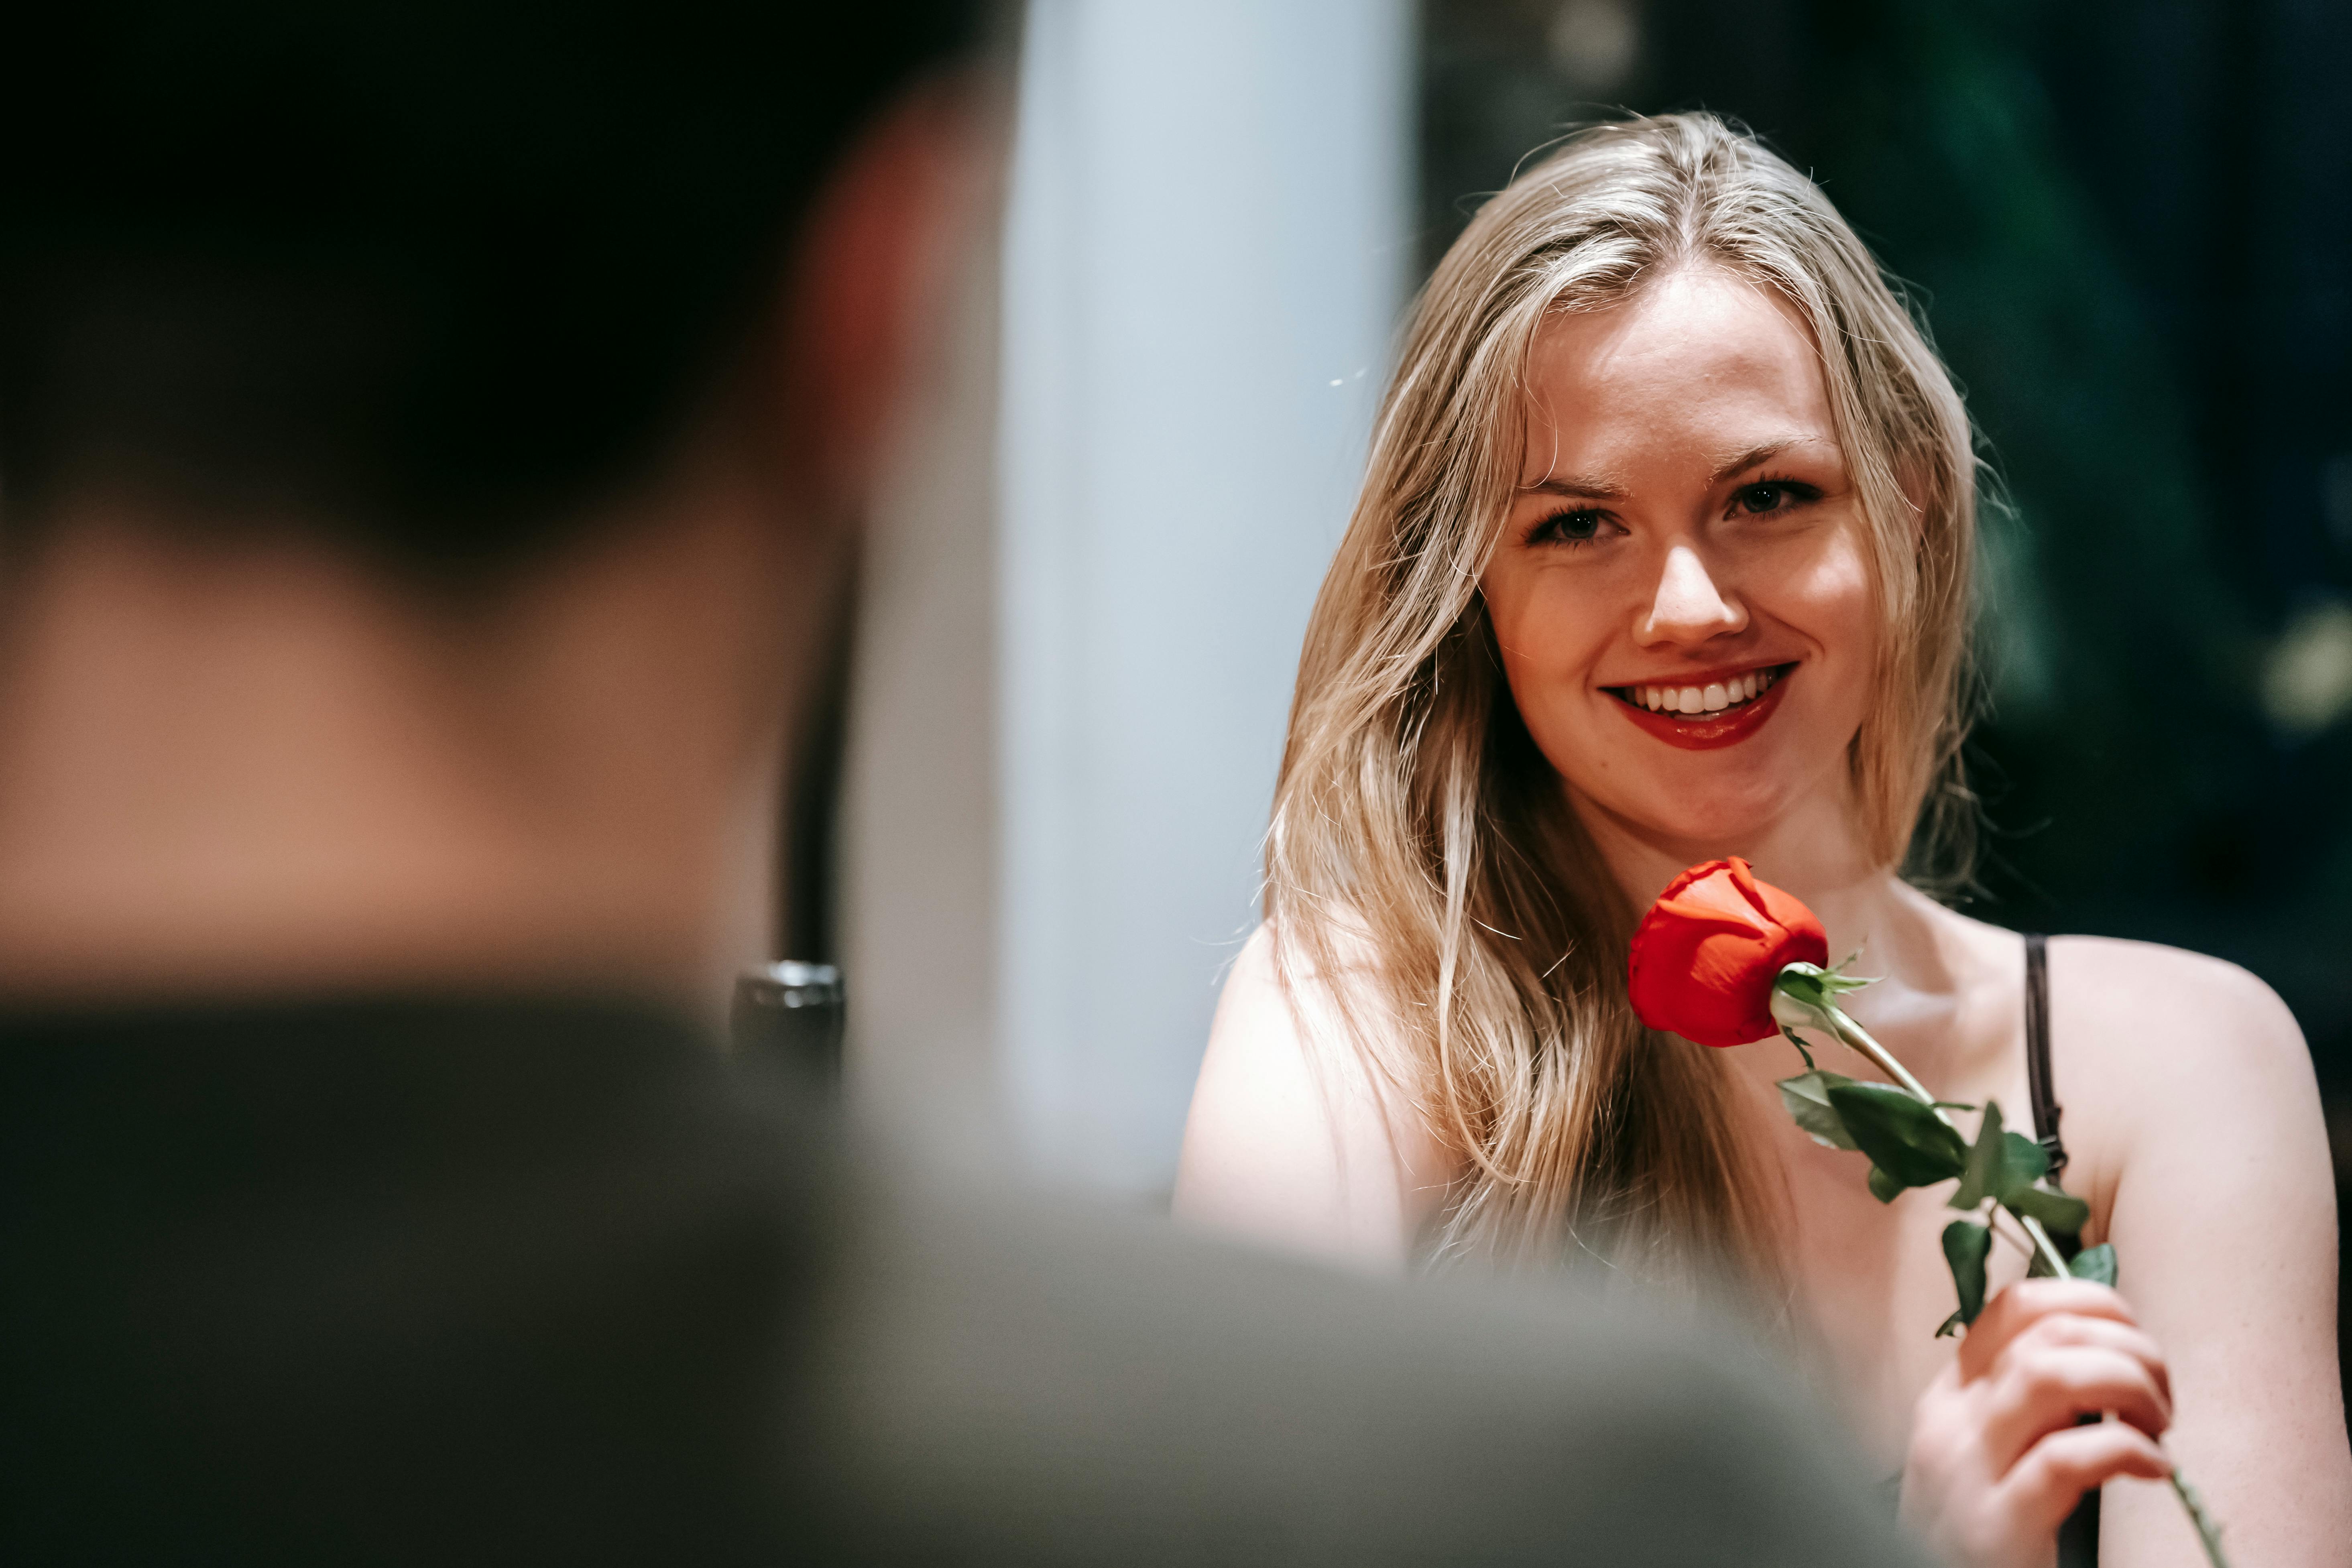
x,y
1053,1385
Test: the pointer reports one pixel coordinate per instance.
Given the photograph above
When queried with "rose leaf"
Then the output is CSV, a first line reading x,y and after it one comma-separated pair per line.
x,y
2097,1264
2058,1211
1966,1244
1902,1138
1807,1097
1981,1178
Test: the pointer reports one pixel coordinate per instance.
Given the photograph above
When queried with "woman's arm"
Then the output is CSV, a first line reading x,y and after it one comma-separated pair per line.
x,y
2189,1082
1293,1140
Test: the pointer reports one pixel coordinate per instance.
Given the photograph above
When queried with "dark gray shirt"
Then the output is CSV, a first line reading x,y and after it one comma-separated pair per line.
x,y
440,1281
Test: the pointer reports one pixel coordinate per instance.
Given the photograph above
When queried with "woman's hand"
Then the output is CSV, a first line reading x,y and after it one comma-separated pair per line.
x,y
1997,1457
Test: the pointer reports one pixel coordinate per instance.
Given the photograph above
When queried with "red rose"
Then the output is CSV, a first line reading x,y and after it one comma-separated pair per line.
x,y
1706,954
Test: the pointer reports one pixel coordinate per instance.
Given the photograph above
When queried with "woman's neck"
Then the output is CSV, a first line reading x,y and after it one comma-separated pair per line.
x,y
1812,850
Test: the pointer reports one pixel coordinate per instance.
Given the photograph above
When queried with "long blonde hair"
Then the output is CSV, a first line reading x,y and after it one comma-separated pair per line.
x,y
1424,866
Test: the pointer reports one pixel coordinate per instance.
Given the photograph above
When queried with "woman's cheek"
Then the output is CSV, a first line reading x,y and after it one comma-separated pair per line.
x,y
1825,589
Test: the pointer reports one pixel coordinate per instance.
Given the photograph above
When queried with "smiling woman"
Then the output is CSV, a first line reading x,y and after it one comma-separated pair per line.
x,y
1663,556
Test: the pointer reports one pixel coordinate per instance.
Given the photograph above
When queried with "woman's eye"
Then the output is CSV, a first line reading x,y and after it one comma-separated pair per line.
x,y
1774,495
1567,527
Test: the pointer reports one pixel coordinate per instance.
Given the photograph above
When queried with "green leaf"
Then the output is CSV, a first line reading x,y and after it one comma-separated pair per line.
x,y
1902,1138
2097,1264
1883,1187
2023,1162
1966,1245
2057,1211
1948,1327
1806,1096
2008,1167
2000,1165
1981,1176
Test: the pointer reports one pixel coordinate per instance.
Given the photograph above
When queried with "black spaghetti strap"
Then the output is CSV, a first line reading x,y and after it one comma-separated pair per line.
x,y
2037,1049
2078,1537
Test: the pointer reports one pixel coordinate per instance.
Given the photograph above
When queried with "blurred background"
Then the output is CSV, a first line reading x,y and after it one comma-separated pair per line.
x,y
2130,222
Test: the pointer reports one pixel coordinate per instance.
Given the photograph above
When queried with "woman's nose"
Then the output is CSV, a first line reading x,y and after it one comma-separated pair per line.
x,y
1688,606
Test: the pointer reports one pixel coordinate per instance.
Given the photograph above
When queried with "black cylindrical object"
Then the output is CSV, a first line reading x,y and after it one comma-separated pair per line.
x,y
791,1014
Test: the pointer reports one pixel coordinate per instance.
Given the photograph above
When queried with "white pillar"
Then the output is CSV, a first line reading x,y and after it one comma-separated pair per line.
x,y
1205,254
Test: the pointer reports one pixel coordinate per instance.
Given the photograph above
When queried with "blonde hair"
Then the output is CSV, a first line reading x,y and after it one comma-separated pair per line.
x,y
1422,863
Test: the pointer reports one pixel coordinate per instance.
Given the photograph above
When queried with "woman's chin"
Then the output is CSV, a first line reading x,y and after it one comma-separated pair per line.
x,y
1696,825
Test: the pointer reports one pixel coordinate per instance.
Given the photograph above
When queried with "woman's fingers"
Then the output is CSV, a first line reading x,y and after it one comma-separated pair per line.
x,y
2043,1487
2103,1333
1998,1459
2026,1303
2045,1389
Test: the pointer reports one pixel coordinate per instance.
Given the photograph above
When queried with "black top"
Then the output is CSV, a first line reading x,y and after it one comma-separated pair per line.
x,y
435,1282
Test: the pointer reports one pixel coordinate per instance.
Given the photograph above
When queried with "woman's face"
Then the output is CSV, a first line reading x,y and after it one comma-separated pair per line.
x,y
1680,592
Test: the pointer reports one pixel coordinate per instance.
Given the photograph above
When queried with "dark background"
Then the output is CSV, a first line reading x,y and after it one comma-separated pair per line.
x,y
2132,223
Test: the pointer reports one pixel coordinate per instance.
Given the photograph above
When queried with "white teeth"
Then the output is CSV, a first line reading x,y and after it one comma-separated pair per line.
x,y
1710,699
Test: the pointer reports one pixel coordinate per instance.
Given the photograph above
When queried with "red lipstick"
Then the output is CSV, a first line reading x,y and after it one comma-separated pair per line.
x,y
1710,732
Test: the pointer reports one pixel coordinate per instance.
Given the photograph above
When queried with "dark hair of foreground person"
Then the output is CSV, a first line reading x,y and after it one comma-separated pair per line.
x,y
427,433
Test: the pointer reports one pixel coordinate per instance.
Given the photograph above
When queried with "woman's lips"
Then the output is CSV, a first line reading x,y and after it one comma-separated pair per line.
x,y
1709,731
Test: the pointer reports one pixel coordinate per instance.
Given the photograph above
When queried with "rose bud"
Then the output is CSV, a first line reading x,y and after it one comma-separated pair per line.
x,y
1705,956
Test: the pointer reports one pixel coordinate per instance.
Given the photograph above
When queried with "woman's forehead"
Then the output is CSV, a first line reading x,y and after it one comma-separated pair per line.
x,y
1702,363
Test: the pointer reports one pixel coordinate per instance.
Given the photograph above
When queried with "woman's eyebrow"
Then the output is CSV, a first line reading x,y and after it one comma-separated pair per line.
x,y
1575,485
1755,455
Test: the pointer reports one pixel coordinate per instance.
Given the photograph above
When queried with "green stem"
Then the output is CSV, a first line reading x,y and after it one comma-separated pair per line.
x,y
2209,1528
1858,1038
2044,1247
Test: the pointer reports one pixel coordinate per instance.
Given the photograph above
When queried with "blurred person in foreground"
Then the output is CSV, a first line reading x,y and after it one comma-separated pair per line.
x,y
430,438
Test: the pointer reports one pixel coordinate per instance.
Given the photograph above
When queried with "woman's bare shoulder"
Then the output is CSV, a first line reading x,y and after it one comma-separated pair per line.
x,y
2147,997
1277,1000
2164,1056
2148,1041
1299,1134
1287,1021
